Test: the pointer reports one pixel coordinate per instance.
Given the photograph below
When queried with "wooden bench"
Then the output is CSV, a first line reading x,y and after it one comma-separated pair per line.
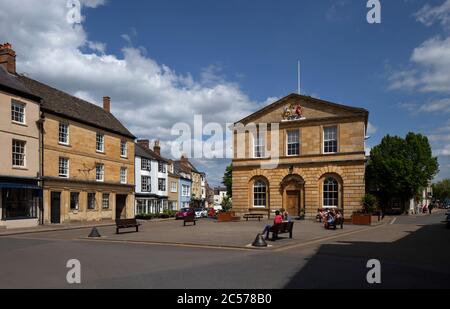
x,y
283,228
253,216
126,224
189,219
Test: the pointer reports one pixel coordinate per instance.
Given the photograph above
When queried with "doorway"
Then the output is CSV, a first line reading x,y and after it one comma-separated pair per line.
x,y
121,203
55,208
293,203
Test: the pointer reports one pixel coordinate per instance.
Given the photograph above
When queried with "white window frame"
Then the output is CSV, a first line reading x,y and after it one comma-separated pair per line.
x,y
288,143
186,191
123,149
148,188
100,171
14,112
104,200
123,175
67,167
146,165
174,187
330,140
256,138
23,154
95,201
162,168
163,187
67,133
100,141
265,194
334,191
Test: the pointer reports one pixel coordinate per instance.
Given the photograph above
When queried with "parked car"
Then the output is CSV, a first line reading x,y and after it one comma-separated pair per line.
x,y
201,213
183,213
212,213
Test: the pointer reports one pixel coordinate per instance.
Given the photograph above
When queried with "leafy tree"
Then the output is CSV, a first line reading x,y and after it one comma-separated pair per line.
x,y
401,167
441,190
228,180
370,202
226,204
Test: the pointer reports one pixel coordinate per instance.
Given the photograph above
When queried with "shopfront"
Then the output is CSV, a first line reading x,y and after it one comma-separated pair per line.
x,y
20,203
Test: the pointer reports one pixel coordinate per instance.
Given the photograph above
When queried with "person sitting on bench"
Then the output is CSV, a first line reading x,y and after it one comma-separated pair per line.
x,y
278,220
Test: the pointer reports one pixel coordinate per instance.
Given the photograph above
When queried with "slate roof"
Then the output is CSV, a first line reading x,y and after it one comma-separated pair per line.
x,y
65,105
11,83
179,168
148,154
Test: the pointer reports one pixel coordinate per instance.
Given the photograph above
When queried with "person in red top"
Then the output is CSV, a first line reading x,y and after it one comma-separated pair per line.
x,y
277,220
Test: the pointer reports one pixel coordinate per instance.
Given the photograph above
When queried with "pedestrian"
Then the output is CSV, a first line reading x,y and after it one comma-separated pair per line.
x,y
430,208
277,220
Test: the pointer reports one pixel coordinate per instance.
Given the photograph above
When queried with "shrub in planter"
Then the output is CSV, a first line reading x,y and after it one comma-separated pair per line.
x,y
370,203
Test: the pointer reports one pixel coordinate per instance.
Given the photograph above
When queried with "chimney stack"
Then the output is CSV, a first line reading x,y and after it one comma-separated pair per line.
x,y
145,143
8,58
107,104
157,148
184,158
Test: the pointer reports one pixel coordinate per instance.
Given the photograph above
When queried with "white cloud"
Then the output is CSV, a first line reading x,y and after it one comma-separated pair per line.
x,y
430,64
430,15
147,96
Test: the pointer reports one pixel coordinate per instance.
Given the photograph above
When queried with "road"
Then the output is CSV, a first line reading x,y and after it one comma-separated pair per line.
x,y
414,253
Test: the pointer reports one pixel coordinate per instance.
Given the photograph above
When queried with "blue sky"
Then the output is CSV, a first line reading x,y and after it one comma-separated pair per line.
x,y
252,47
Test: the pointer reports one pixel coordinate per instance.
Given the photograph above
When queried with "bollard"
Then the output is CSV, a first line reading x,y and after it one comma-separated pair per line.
x,y
259,242
94,233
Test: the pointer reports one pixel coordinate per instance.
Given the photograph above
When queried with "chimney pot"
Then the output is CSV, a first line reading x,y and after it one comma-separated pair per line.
x,y
144,143
8,58
157,148
107,104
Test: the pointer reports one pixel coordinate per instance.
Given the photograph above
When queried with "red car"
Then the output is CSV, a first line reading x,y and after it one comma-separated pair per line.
x,y
184,212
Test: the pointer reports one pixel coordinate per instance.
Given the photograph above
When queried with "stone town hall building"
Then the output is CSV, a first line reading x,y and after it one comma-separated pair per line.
x,y
321,164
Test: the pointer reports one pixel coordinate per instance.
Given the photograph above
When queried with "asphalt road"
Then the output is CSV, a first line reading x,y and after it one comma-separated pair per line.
x,y
414,253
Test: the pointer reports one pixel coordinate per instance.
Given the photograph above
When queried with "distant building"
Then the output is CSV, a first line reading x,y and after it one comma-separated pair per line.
x,y
185,184
174,187
219,194
151,179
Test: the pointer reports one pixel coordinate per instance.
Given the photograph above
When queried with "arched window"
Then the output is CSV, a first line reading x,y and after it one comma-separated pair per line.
x,y
260,194
330,192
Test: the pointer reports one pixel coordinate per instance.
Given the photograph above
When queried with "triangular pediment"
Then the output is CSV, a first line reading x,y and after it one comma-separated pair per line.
x,y
302,108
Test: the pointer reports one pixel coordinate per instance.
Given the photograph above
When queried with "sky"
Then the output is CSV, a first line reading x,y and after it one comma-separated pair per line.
x,y
164,61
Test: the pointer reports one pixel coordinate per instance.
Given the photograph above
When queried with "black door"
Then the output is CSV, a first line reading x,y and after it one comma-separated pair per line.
x,y
56,208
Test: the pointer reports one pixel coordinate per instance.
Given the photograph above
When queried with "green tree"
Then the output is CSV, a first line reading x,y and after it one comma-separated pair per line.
x,y
441,190
228,180
401,167
226,204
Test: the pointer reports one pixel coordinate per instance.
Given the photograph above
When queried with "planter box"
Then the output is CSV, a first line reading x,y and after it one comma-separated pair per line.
x,y
362,219
227,217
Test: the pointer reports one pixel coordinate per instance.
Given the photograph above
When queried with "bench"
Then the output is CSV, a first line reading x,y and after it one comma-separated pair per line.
x,y
283,228
126,224
253,216
189,219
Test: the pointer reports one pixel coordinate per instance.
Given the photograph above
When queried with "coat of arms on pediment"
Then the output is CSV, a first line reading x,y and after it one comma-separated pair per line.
x,y
293,112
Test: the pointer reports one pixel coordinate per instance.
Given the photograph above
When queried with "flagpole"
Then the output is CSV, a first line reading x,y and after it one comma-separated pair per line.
x,y
299,81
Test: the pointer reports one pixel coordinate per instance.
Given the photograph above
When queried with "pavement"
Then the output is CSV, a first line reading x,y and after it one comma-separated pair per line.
x,y
413,252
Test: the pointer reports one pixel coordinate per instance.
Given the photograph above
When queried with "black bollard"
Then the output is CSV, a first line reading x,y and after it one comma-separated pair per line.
x,y
94,233
259,242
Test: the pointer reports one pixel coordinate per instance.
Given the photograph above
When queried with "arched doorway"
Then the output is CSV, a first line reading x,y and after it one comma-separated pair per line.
x,y
292,188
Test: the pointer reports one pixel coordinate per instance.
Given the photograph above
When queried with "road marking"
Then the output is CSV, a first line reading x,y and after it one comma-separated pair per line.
x,y
393,221
149,243
321,240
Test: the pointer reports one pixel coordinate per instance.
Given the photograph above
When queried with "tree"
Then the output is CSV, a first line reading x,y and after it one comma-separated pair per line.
x,y
228,180
441,190
401,167
226,204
